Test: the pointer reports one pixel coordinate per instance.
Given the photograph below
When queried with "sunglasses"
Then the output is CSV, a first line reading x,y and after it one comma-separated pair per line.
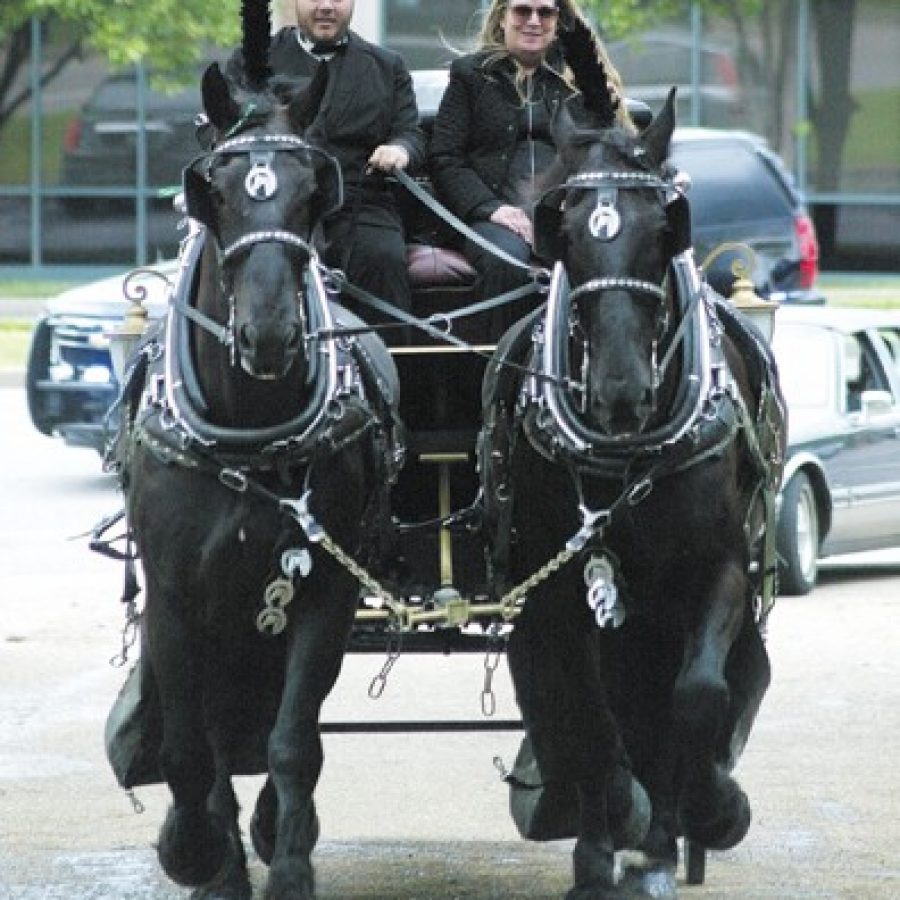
x,y
522,13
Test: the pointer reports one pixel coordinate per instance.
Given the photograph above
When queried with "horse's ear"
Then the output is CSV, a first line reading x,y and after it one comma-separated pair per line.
x,y
304,106
220,106
658,133
563,126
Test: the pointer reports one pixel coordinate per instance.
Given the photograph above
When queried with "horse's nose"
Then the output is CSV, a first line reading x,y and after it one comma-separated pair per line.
x,y
268,352
620,408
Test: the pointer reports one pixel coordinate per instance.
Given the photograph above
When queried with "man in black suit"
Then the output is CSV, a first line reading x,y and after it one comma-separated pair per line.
x,y
369,122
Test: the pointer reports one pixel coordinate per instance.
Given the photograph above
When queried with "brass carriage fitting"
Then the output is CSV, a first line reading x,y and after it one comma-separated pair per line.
x,y
454,605
126,335
743,292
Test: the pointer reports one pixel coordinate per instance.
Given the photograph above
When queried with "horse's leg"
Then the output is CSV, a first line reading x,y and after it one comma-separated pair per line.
x,y
712,809
264,822
193,844
646,668
232,882
317,642
573,732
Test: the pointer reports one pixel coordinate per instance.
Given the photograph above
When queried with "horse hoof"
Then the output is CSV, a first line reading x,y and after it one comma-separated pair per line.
x,y
593,892
291,881
232,882
721,828
237,888
192,848
594,871
654,881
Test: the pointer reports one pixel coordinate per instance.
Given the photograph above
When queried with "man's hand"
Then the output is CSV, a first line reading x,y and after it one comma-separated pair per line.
x,y
388,157
516,220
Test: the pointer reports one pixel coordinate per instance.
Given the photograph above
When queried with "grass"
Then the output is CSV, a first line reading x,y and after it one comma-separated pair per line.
x,y
861,291
15,337
37,290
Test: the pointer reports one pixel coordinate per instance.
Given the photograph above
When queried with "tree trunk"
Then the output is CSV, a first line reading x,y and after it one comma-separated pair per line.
x,y
833,109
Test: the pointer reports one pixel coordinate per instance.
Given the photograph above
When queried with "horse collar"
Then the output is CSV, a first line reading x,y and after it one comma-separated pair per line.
x,y
698,426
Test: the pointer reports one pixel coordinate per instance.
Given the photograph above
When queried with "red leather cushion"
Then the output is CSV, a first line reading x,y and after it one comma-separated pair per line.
x,y
437,267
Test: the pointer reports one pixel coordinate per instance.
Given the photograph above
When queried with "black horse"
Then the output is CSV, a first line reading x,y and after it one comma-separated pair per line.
x,y
257,453
628,485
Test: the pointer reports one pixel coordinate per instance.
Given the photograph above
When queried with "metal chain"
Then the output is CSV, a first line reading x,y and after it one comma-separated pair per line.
x,y
316,534
379,682
496,646
510,599
359,573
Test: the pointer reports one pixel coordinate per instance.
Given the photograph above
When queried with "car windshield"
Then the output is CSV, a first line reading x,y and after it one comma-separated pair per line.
x,y
805,367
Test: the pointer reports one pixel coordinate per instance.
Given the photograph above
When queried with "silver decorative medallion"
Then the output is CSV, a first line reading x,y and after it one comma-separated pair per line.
x,y
602,593
296,561
273,618
261,182
605,221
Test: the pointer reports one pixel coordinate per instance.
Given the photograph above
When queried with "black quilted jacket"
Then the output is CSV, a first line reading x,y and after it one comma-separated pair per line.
x,y
474,139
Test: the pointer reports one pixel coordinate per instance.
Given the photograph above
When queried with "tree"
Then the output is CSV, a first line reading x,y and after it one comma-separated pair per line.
x,y
766,54
168,35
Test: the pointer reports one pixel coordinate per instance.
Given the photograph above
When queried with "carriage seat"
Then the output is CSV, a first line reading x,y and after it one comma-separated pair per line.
x,y
433,267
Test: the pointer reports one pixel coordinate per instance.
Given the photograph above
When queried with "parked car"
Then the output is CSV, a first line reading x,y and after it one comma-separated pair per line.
x,y
840,371
69,380
100,143
741,192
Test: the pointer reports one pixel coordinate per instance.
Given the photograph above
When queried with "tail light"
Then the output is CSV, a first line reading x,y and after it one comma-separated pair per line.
x,y
726,70
809,249
72,137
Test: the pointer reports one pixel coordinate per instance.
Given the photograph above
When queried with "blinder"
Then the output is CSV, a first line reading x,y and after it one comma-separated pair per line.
x,y
548,213
604,222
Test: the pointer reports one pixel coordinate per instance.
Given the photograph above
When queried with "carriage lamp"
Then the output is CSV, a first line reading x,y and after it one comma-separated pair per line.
x,y
126,335
743,294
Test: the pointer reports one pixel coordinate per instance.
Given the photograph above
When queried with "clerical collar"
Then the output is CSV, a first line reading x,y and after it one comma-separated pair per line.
x,y
321,49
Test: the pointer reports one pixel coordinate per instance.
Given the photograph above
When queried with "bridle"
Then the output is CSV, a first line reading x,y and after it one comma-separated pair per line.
x,y
558,418
604,224
261,184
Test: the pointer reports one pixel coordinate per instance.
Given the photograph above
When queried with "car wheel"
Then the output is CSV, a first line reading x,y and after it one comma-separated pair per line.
x,y
798,537
38,370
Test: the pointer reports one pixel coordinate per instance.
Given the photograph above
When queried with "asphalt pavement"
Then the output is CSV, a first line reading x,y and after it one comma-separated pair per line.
x,y
414,816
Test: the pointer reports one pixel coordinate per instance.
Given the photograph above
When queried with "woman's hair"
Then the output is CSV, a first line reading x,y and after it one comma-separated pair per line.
x,y
490,38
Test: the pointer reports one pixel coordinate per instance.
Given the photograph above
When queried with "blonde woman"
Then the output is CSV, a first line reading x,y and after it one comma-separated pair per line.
x,y
492,135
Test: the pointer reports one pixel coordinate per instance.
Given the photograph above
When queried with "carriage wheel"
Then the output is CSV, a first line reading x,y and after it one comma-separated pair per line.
x,y
694,862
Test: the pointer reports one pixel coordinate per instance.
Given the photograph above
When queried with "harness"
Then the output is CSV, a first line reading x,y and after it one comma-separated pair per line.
x,y
708,413
351,385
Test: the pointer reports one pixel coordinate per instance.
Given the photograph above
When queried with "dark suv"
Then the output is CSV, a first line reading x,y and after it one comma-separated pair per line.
x,y
100,144
741,193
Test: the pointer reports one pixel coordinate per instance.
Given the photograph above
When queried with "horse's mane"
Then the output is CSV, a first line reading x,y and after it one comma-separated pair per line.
x,y
620,140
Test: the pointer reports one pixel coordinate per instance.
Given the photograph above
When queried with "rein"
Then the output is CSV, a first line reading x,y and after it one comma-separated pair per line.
x,y
459,226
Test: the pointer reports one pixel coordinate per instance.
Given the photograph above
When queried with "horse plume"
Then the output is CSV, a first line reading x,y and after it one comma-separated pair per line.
x,y
256,25
579,46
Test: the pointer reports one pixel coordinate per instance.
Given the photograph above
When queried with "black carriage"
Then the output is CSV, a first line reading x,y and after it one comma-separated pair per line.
x,y
598,488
